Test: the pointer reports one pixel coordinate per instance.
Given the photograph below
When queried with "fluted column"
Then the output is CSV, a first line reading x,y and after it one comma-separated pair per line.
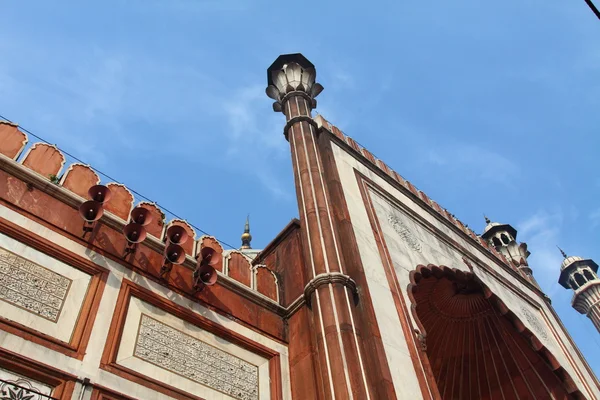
x,y
587,301
292,85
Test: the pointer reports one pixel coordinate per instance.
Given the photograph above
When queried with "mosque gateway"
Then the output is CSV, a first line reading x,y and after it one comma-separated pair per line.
x,y
374,292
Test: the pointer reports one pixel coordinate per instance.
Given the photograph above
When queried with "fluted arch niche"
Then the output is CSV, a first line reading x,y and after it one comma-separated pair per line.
x,y
477,348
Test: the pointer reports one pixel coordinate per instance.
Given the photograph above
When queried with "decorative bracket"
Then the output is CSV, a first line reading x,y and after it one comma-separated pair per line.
x,y
330,278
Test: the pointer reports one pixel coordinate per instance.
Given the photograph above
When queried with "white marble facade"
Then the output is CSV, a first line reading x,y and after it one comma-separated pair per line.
x,y
410,243
248,373
39,291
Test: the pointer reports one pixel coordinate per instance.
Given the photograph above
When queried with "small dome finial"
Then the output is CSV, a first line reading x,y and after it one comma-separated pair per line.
x,y
562,252
246,236
487,220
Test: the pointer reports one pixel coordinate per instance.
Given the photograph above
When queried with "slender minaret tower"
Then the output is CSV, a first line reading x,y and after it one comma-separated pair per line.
x,y
340,358
581,276
246,236
504,238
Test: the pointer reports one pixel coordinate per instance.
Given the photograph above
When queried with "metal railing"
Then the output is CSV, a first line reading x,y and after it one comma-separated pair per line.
x,y
11,390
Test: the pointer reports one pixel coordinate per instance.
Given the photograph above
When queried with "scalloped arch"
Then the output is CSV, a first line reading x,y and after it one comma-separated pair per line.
x,y
79,178
476,346
213,243
190,244
265,281
121,202
45,159
12,140
239,267
157,225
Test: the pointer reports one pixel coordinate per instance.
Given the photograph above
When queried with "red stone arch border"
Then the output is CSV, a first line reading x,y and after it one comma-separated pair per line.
x,y
454,274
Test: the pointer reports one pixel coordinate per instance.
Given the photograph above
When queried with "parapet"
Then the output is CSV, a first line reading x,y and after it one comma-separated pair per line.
x,y
419,196
45,163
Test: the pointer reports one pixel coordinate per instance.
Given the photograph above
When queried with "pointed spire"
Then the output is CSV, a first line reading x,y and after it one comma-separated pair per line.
x,y
562,252
487,220
246,236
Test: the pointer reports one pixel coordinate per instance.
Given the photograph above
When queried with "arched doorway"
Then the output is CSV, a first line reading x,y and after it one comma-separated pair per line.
x,y
476,347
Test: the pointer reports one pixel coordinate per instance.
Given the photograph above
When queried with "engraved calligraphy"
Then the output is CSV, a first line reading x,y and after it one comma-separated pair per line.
x,y
32,287
535,323
173,350
405,234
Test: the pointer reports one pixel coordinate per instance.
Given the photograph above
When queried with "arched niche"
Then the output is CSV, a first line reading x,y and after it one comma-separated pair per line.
x,y
476,347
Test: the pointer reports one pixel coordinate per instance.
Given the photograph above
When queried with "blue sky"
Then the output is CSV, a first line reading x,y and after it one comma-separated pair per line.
x,y
487,107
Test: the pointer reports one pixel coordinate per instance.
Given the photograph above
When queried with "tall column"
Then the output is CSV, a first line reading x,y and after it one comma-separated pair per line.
x,y
329,291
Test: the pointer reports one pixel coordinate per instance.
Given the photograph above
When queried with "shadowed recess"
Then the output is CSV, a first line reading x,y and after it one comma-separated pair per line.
x,y
476,347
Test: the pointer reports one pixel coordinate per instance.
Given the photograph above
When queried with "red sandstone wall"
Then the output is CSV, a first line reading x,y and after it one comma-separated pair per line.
x,y
40,202
284,257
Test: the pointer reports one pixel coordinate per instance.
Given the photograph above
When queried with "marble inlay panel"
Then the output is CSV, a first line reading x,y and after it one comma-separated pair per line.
x,y
32,287
173,350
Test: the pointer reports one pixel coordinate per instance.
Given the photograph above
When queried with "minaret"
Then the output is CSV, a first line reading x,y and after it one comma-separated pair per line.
x,y
341,362
246,236
581,276
504,238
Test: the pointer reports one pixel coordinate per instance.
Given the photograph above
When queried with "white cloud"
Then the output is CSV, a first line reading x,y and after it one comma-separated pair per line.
x,y
255,142
474,162
541,232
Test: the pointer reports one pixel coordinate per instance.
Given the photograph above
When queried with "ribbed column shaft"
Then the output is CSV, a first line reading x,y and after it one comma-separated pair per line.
x,y
594,315
341,360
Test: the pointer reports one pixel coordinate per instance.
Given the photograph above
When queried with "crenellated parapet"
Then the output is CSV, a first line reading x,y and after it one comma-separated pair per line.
x,y
417,194
31,176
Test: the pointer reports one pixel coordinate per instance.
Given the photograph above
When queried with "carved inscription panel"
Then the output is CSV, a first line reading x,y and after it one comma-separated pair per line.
x,y
185,355
32,287
535,322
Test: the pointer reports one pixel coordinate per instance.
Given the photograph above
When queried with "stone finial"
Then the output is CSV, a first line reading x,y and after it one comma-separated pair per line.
x,y
562,252
487,220
292,73
246,236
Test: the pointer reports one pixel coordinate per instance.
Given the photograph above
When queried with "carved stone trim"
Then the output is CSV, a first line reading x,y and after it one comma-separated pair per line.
x,y
295,93
299,118
294,306
327,279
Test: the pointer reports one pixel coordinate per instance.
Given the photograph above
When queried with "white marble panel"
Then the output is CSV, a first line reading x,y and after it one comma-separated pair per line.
x,y
410,244
167,348
39,291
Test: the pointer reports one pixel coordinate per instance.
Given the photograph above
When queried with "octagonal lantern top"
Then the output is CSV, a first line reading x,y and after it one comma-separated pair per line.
x,y
284,59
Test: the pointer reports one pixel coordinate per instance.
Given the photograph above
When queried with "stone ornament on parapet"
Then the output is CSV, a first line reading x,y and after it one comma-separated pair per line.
x,y
78,178
322,123
13,140
45,159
